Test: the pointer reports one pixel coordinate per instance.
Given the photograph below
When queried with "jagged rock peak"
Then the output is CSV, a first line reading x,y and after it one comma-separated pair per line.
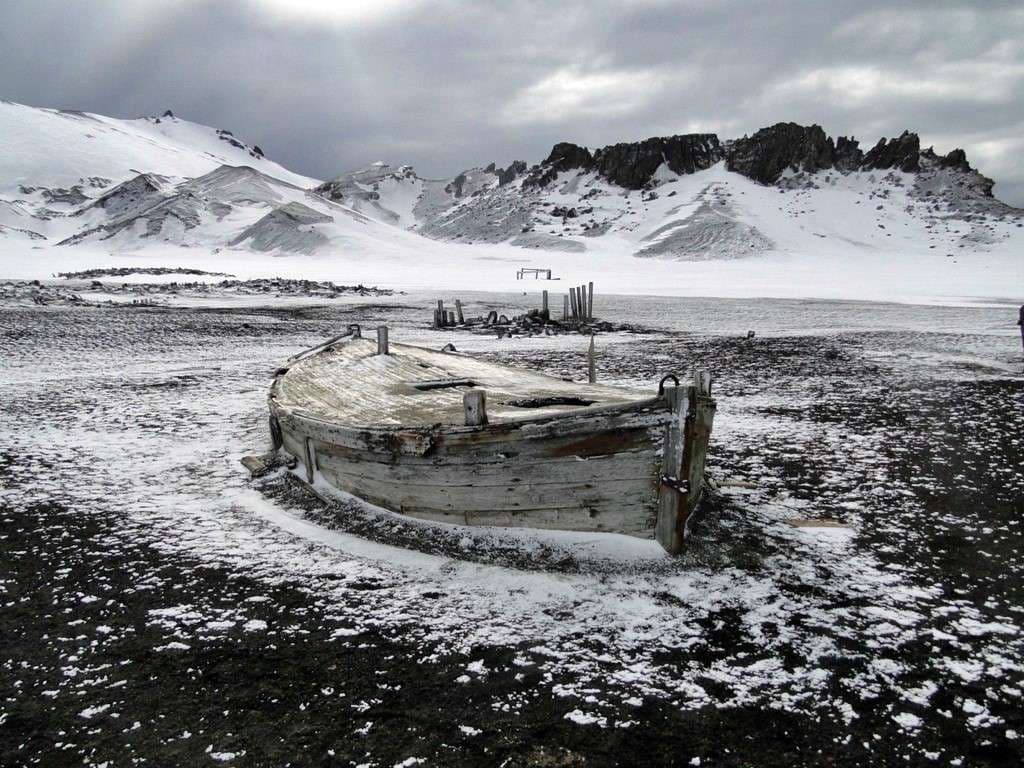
x,y
510,174
633,165
768,153
903,153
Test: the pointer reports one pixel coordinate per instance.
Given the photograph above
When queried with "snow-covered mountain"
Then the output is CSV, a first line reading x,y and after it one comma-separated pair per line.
x,y
694,197
72,178
797,212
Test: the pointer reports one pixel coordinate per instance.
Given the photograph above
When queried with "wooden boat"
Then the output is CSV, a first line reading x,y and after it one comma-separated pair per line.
x,y
441,436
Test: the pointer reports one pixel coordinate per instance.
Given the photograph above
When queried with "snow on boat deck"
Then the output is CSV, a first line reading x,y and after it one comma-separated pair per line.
x,y
413,386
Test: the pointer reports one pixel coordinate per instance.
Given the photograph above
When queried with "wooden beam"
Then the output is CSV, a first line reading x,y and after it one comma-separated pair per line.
x,y
475,404
673,491
591,365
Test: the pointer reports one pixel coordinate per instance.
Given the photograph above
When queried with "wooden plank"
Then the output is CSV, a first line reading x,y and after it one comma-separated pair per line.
x,y
492,471
670,499
699,439
566,519
624,494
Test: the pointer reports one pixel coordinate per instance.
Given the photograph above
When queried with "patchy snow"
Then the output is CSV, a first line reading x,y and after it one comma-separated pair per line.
x,y
861,413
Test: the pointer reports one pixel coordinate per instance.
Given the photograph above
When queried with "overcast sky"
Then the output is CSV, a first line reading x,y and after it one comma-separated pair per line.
x,y
328,85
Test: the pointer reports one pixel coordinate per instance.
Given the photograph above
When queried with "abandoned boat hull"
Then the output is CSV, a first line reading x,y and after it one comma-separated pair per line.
x,y
599,473
600,468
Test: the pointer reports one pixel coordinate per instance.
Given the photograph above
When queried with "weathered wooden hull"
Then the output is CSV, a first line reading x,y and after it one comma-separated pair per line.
x,y
597,469
595,474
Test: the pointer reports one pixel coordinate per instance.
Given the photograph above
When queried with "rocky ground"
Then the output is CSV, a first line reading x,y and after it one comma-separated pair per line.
x,y
157,606
100,293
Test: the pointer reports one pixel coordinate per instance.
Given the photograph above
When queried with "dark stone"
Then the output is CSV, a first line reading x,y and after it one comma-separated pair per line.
x,y
168,113
455,187
564,157
634,165
956,159
903,153
511,173
331,190
848,155
764,156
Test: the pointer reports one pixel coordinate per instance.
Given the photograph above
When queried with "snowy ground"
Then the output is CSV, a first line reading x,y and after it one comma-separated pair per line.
x,y
157,605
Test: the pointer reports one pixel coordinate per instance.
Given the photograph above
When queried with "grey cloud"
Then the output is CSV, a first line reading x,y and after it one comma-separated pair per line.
x,y
446,85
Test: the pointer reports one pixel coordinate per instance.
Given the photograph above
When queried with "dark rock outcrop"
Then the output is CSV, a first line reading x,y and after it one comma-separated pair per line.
x,y
903,153
848,155
956,159
455,188
332,190
511,173
633,165
564,157
764,156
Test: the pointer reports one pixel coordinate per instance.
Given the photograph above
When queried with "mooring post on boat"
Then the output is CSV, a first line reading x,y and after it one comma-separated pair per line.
x,y
591,365
382,340
458,311
475,404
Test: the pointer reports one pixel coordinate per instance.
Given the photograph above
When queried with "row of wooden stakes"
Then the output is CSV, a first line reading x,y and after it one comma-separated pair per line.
x,y
578,306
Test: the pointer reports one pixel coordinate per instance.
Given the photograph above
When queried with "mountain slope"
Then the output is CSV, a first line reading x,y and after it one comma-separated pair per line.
x,y
785,212
576,198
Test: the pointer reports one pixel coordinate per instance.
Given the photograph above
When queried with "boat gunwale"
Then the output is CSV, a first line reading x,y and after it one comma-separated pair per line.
x,y
507,424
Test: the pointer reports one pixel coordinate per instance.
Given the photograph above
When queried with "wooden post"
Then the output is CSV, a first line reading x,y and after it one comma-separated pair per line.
x,y
672,491
382,340
549,274
451,319
458,311
544,304
683,459
440,311
591,366
590,301
582,290
565,307
475,404
572,301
